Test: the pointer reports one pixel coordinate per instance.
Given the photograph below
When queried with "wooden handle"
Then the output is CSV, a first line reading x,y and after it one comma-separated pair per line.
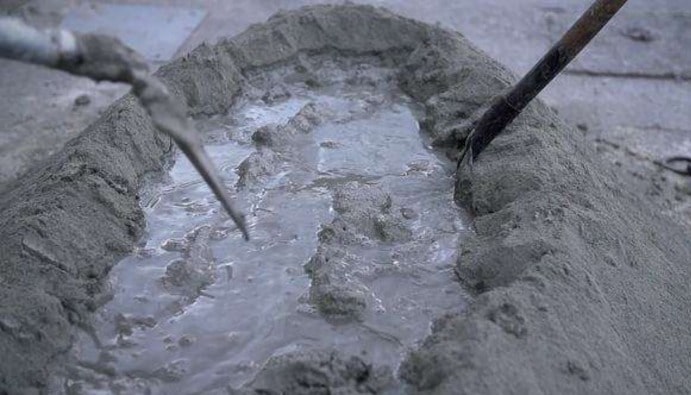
x,y
507,107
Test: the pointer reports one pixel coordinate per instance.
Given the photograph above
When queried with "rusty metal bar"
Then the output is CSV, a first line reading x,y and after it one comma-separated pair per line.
x,y
504,109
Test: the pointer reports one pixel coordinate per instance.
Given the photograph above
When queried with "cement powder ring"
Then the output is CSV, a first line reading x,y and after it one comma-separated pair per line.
x,y
579,285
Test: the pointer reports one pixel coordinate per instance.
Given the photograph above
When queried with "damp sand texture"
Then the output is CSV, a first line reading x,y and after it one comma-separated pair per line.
x,y
579,286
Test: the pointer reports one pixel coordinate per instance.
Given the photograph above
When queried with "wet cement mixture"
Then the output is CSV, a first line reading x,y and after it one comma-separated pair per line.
x,y
576,284
354,239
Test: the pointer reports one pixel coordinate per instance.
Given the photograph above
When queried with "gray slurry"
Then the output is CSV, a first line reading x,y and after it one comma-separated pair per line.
x,y
195,307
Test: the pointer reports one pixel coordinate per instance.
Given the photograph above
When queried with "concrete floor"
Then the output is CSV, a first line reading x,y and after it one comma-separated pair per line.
x,y
629,91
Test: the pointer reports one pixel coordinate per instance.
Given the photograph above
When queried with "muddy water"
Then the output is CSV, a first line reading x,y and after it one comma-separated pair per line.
x,y
197,308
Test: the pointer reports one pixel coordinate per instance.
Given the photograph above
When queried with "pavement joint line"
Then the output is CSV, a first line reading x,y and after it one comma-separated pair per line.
x,y
656,128
628,75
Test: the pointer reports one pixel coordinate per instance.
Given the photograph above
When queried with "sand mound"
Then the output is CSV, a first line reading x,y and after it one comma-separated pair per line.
x,y
582,287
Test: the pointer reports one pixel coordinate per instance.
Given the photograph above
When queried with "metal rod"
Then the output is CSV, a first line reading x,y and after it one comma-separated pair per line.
x,y
103,58
504,109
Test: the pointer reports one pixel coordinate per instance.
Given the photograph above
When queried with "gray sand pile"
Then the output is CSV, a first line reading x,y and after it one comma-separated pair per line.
x,y
581,286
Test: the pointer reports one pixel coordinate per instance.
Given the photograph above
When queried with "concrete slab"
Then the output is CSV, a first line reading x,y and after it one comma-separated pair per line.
x,y
138,25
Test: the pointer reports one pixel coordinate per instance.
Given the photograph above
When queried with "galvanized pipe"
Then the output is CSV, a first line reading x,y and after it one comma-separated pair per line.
x,y
22,42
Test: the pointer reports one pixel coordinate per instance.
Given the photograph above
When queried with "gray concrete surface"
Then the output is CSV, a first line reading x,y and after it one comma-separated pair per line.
x,y
630,90
138,26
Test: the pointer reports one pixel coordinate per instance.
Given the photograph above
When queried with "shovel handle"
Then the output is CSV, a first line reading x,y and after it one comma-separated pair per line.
x,y
506,108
